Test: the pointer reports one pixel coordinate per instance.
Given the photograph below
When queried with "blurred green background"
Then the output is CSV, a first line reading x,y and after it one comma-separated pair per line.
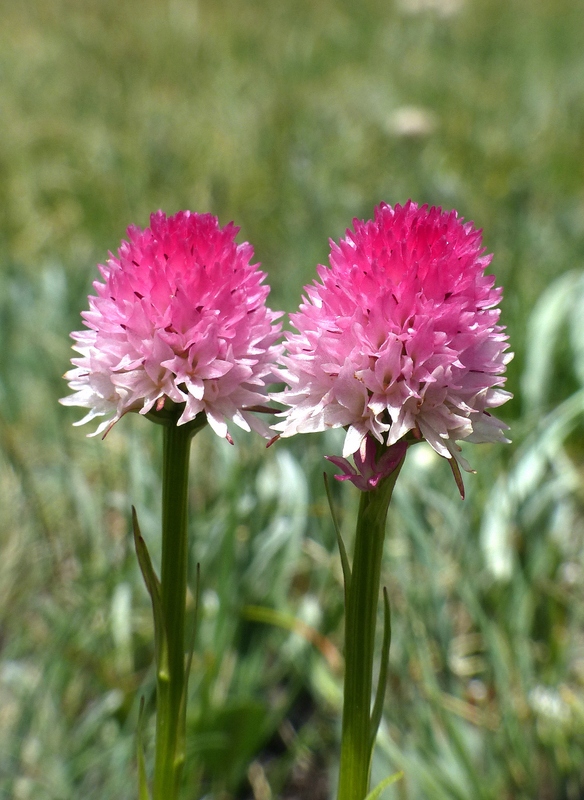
x,y
291,118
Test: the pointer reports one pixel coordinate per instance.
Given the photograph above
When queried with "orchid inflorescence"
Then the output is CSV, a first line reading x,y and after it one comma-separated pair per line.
x,y
180,317
399,337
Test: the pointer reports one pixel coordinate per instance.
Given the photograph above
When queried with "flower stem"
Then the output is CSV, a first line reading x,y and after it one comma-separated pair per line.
x,y
170,668
362,595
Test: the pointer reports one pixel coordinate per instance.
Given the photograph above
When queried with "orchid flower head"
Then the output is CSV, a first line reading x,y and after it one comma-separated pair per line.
x,y
399,336
180,318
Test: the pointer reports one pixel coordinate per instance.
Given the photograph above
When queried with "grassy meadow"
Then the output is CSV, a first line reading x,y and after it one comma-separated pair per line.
x,y
291,118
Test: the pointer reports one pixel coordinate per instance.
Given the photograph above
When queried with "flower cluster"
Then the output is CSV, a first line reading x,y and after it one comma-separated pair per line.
x,y
400,338
181,315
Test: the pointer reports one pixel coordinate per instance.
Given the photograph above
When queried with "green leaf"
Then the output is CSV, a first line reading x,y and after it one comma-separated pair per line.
x,y
227,740
143,791
382,680
181,743
193,634
342,549
543,333
153,587
373,795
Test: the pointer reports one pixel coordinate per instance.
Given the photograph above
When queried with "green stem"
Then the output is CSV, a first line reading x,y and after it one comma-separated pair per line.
x,y
171,673
362,597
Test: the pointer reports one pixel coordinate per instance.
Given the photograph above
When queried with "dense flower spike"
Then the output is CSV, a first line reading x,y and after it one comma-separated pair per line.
x,y
400,335
182,316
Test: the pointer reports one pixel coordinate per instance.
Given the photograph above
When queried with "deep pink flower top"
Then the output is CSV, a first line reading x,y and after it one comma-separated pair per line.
x,y
401,334
181,315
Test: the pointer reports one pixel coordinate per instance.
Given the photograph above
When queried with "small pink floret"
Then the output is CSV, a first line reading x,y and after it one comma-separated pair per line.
x,y
181,314
400,334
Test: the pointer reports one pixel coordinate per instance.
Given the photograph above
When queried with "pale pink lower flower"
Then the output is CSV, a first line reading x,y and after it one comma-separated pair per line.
x,y
400,335
181,315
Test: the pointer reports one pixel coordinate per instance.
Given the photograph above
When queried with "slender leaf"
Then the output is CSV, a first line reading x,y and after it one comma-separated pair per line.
x,y
383,669
153,585
143,791
342,549
376,793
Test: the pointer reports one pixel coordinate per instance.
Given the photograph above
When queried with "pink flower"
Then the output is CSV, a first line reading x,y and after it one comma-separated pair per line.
x,y
181,316
400,335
